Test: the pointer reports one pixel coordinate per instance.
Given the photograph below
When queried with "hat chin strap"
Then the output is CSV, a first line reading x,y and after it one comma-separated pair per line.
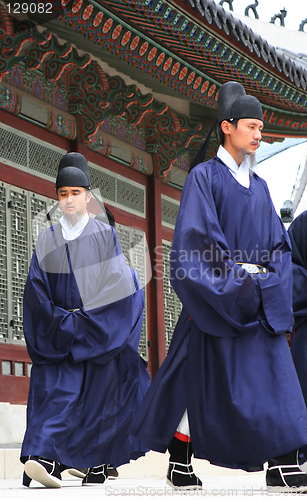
x,y
50,213
53,209
201,153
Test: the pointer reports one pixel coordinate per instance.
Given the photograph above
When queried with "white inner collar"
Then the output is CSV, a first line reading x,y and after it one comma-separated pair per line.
x,y
241,173
70,231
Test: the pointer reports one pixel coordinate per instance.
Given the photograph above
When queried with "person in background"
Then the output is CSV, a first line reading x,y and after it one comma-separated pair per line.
x,y
83,314
298,236
108,218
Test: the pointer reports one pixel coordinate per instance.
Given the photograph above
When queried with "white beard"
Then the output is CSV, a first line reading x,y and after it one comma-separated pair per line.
x,y
73,218
249,155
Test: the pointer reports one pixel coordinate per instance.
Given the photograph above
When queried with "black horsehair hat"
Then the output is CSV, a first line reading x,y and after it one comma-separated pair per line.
x,y
232,104
73,171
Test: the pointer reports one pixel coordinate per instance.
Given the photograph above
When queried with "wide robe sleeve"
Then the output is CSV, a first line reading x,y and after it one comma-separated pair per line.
x,y
221,297
108,317
49,330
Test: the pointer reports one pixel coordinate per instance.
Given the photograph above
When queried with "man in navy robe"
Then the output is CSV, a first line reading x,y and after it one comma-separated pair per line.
x,y
83,314
228,386
298,237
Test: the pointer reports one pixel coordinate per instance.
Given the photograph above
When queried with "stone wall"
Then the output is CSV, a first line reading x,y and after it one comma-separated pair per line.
x,y
13,423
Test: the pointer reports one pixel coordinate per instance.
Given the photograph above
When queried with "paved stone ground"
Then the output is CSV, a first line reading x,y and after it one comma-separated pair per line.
x,y
251,485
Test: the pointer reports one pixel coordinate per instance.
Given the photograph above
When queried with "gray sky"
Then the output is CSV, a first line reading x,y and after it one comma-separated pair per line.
x,y
296,10
280,173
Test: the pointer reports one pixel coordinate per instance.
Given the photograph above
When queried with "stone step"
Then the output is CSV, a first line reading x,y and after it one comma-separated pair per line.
x,y
152,465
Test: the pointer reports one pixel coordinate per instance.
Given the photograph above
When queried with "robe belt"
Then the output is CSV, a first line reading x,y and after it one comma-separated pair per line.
x,y
252,268
72,310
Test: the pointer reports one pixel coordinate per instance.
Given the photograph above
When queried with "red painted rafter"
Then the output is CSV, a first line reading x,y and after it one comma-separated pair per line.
x,y
188,54
146,26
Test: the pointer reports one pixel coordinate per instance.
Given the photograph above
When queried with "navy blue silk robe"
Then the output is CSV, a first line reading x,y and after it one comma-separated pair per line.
x,y
83,313
298,237
229,363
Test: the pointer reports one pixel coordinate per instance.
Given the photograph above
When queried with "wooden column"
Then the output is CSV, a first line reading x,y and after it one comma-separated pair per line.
x,y
156,324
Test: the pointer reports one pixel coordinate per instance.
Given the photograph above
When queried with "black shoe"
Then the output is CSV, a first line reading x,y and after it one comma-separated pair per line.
x,y
43,471
180,474
81,473
182,477
284,475
26,480
112,472
96,476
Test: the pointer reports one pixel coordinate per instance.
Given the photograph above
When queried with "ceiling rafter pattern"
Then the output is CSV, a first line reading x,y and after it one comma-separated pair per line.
x,y
133,45
191,38
168,134
157,38
33,48
92,94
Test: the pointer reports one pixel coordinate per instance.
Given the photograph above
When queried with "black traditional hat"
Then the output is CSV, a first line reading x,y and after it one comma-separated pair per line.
x,y
232,104
73,171
228,94
246,106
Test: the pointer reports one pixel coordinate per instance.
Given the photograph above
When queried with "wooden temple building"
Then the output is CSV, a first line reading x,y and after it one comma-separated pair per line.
x,y
132,85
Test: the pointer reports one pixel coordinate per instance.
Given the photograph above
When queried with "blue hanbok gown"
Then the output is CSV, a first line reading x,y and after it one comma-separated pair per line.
x,y
298,237
229,362
83,313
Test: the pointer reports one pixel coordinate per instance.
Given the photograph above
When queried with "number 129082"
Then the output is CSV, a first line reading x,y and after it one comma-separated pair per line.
x,y
29,7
